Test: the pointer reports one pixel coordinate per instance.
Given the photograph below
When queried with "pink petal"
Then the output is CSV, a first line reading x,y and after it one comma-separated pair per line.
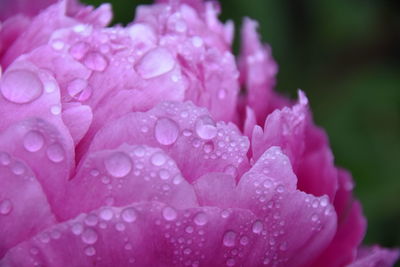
x,y
123,176
351,226
45,149
9,8
258,70
216,189
146,234
296,226
186,133
376,256
77,118
24,210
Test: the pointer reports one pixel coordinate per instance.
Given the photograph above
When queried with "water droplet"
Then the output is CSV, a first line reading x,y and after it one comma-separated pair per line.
x,y
197,41
129,215
95,61
267,183
21,86
200,219
314,217
128,246
206,128
166,131
177,179
89,236
324,201
57,45
76,87
77,228
231,170
139,151
225,214
5,207
158,159
189,229
208,147
230,262
169,214
18,168
55,153
118,164
55,110
280,189
229,239
91,220
257,227
90,251
244,240
155,63
164,174
106,214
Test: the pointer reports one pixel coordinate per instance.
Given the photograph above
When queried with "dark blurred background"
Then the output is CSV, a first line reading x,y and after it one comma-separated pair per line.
x,y
345,54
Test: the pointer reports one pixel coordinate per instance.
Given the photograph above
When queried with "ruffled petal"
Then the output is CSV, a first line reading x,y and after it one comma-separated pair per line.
x,y
188,134
123,176
24,210
375,256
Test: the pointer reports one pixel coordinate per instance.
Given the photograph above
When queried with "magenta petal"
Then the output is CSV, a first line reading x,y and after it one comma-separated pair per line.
x,y
138,235
24,210
376,256
123,176
297,226
216,189
77,118
186,133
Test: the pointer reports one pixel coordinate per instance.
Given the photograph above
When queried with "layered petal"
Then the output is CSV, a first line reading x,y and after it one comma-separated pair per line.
x,y
375,256
24,210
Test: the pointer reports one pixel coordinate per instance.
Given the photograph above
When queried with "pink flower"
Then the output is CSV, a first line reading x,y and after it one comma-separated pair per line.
x,y
131,145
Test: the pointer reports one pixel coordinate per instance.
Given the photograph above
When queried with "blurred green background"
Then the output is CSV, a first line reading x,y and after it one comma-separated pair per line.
x,y
345,54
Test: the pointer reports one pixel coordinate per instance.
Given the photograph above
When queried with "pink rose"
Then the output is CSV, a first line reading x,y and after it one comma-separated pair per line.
x,y
131,146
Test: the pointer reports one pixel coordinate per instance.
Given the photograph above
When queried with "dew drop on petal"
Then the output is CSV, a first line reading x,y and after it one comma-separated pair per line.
x,y
79,50
4,159
6,207
95,61
166,131
169,213
229,239
77,228
120,227
155,63
76,86
206,128
33,141
200,219
55,153
118,164
21,86
129,215
158,159
89,236
106,214
257,227
90,251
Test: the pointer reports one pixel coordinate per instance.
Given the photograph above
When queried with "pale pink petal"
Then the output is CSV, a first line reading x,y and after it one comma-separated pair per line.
x,y
146,234
351,226
375,256
77,118
216,189
249,122
24,210
9,8
188,134
257,70
296,226
123,176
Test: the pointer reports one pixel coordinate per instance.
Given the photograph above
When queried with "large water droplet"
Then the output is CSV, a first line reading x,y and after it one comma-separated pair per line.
x,y
79,50
166,131
55,153
129,215
229,239
77,228
200,219
95,61
106,214
155,63
6,207
90,251
169,213
33,141
257,227
89,236
206,128
118,164
21,86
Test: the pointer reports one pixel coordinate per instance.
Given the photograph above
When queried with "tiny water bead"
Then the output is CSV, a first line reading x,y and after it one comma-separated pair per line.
x,y
169,213
206,128
129,215
95,61
155,63
21,86
106,214
257,227
89,236
90,251
33,141
166,131
118,164
55,153
229,239
6,207
200,219
158,159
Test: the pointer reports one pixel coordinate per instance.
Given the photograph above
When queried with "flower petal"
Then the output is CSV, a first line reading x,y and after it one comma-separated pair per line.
x,y
24,210
123,176
188,134
375,256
